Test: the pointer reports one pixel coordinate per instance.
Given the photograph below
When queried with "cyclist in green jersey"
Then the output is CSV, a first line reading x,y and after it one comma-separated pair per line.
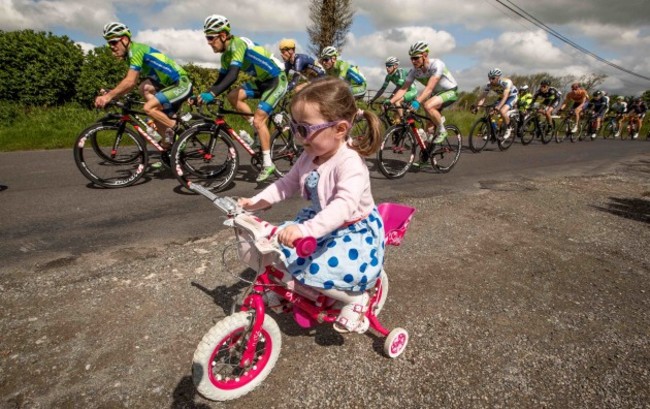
x,y
166,85
440,87
397,76
270,84
343,70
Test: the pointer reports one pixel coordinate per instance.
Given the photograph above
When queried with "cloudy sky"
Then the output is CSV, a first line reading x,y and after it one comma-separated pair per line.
x,y
471,36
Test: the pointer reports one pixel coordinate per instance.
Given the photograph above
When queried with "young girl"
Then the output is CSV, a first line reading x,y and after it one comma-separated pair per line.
x,y
341,214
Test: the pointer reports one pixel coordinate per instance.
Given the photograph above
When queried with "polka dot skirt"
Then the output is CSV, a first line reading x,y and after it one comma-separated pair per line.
x,y
350,258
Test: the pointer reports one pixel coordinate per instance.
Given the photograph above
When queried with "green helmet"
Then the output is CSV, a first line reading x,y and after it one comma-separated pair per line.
x,y
215,24
328,52
116,30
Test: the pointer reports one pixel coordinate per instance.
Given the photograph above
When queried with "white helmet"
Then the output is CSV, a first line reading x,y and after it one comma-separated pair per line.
x,y
115,30
494,72
524,88
328,52
391,61
215,24
418,48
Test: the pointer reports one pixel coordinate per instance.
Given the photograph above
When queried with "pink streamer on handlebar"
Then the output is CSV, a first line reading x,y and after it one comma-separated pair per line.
x,y
305,246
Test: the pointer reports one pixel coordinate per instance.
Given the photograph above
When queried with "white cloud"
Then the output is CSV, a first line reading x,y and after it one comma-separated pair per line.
x,y
183,46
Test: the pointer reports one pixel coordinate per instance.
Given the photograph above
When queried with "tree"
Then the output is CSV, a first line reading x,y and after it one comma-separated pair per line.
x,y
331,22
38,68
100,70
202,78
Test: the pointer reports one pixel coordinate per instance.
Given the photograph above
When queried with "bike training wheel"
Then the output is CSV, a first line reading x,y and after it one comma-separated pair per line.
x,y
217,369
111,155
479,135
445,155
284,151
205,155
397,152
527,131
546,132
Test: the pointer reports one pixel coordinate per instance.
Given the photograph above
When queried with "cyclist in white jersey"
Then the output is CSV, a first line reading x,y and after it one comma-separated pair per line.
x,y
440,86
508,91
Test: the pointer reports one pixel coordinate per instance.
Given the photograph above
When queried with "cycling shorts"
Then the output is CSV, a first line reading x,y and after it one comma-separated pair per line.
x,y
270,92
551,103
577,105
511,101
448,97
358,91
172,97
601,111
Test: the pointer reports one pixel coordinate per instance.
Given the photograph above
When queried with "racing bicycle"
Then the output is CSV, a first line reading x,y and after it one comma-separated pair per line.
x,y
408,140
491,129
113,151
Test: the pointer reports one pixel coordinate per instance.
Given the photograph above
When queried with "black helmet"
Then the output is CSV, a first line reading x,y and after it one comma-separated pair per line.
x,y
546,81
598,93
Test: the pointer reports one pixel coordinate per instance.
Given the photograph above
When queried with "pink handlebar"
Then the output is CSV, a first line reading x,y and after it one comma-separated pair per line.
x,y
305,246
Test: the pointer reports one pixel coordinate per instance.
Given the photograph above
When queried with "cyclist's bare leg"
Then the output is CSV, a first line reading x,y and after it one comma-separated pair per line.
x,y
260,123
548,111
504,114
432,106
154,110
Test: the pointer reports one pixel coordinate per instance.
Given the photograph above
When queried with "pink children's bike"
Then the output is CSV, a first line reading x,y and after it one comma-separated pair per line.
x,y
240,351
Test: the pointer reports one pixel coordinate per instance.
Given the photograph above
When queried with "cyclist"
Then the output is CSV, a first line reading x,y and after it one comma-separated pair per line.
x,y
508,91
636,112
397,76
525,99
166,85
579,97
440,87
240,54
303,66
597,104
343,70
619,108
550,99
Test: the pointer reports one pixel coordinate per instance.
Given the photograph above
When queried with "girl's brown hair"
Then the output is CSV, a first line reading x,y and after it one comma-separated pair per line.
x,y
335,102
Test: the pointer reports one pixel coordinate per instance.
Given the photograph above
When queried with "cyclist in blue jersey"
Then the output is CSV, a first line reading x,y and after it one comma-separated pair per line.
x,y
303,66
239,54
166,85
508,93
599,105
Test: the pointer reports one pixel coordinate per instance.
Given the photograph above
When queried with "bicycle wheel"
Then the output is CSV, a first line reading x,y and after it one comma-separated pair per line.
x,y
547,131
445,155
284,152
528,131
609,130
206,155
479,135
359,128
111,155
217,368
562,131
504,144
397,152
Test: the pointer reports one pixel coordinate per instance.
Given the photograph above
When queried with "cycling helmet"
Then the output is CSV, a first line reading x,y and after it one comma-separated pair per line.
x,y
418,48
116,30
620,98
495,72
390,61
328,52
215,24
545,82
598,93
287,43
524,88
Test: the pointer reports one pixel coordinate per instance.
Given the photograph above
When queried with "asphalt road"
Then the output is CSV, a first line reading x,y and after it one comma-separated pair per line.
x,y
50,211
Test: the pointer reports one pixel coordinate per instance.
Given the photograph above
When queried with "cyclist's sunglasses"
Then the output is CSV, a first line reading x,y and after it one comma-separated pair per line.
x,y
416,57
574,88
306,131
210,38
113,42
492,78
285,49
326,59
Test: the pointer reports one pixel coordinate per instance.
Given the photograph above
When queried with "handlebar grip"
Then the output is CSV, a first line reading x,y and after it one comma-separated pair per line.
x,y
305,246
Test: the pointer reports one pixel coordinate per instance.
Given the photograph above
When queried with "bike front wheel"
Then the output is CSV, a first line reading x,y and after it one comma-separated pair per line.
x,y
217,368
445,155
479,135
206,155
547,131
528,131
111,155
397,152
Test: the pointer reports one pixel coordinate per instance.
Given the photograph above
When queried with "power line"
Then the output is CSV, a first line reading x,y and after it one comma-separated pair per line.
x,y
531,19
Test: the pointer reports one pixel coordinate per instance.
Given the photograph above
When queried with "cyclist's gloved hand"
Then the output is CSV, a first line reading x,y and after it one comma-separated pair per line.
x,y
207,97
415,105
